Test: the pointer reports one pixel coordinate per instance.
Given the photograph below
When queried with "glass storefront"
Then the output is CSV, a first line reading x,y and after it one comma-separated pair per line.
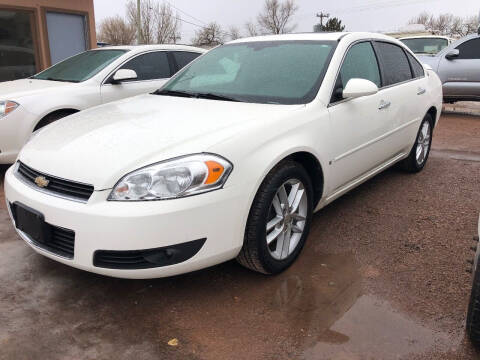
x,y
17,52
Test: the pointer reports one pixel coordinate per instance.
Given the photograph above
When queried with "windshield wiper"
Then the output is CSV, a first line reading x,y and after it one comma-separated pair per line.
x,y
61,80
215,97
174,93
194,95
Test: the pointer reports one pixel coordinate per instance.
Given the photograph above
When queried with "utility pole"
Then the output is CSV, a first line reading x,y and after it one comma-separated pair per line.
x,y
139,24
322,15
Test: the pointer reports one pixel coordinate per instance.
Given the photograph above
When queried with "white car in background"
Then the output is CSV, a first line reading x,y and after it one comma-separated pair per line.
x,y
230,159
88,79
427,45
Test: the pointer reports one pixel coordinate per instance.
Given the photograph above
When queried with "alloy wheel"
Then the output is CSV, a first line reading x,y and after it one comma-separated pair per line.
x,y
286,219
423,143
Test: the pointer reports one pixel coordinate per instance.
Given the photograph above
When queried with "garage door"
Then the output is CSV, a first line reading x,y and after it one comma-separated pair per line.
x,y
66,35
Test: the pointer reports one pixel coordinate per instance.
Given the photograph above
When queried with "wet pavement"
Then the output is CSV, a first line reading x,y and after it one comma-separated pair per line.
x,y
382,276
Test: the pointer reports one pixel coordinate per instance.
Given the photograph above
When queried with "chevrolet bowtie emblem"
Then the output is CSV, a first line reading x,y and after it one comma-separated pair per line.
x,y
41,181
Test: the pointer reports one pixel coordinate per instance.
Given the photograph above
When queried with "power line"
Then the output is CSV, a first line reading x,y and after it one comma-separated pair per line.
x,y
185,13
381,5
188,22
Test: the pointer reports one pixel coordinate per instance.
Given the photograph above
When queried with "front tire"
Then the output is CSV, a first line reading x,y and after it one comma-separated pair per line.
x,y
416,160
279,220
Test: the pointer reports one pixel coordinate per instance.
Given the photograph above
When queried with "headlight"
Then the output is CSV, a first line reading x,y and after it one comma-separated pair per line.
x,y
6,107
185,176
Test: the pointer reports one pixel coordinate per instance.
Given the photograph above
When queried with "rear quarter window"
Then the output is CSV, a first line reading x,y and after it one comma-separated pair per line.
x,y
417,68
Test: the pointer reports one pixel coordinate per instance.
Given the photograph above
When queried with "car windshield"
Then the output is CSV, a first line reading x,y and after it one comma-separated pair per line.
x,y
426,45
80,67
282,72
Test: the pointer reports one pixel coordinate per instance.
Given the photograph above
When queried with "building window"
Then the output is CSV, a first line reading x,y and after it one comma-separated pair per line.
x,y
17,52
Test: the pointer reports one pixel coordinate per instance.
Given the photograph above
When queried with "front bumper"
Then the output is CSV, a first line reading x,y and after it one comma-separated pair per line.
x,y
15,130
218,216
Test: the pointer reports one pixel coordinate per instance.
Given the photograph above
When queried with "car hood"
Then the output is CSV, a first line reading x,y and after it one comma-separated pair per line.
x,y
13,90
100,145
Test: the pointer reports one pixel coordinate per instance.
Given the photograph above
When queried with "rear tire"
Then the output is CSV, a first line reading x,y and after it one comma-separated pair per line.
x,y
279,220
416,160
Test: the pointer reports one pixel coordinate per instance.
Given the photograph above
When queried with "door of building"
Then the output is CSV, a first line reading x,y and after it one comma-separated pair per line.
x,y
67,35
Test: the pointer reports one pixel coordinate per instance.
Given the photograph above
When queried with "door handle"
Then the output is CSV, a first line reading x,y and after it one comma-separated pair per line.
x,y
384,105
421,91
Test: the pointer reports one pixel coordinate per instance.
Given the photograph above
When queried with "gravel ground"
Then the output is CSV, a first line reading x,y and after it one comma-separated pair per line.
x,y
382,277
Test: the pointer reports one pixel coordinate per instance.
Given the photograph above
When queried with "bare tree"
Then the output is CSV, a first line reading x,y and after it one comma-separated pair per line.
x,y
251,29
116,31
159,24
234,33
447,24
276,16
147,29
471,25
210,35
167,24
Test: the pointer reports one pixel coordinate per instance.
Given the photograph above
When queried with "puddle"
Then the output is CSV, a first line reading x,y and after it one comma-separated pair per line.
x,y
314,310
371,329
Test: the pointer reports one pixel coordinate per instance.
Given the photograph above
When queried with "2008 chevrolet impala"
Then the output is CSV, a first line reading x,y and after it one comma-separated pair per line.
x,y
228,160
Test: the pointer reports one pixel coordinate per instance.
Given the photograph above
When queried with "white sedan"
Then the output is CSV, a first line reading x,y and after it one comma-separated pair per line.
x,y
88,79
229,159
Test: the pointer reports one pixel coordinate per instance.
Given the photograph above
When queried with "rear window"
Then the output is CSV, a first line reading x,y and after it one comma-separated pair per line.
x,y
393,62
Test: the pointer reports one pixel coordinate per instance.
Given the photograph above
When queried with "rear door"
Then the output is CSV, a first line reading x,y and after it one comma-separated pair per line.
x,y
461,75
404,91
153,70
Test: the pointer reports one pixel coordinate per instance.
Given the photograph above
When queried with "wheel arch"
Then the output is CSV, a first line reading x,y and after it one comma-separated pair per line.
x,y
433,112
66,110
314,169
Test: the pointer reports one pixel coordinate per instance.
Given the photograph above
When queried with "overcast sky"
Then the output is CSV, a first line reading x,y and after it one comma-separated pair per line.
x,y
357,15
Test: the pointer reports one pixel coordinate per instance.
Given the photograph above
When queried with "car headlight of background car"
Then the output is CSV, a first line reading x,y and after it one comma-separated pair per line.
x,y
175,178
6,107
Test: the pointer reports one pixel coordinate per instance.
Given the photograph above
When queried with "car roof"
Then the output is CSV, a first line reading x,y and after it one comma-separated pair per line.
x,y
142,48
425,37
325,36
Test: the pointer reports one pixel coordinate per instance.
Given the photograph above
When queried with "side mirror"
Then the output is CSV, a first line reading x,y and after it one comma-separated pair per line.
x,y
356,88
124,75
427,66
452,54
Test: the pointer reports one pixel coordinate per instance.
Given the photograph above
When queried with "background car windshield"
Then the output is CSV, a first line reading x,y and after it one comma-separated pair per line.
x,y
284,72
80,67
426,45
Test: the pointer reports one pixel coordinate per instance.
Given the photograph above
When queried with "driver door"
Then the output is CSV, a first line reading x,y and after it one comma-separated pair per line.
x,y
358,125
153,70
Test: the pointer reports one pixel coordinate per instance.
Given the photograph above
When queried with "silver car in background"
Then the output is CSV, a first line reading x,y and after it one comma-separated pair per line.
x,y
458,66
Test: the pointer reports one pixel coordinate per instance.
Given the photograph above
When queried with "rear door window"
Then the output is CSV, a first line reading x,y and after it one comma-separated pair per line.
x,y
183,58
393,63
360,63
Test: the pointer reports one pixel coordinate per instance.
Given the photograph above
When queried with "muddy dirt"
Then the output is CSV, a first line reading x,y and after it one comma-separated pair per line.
x,y
382,276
